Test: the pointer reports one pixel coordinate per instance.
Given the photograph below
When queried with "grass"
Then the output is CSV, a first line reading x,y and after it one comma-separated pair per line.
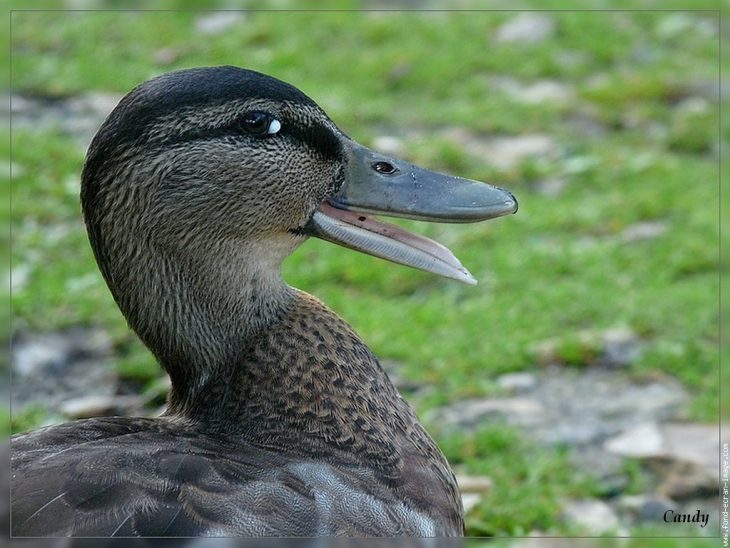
x,y
531,479
558,267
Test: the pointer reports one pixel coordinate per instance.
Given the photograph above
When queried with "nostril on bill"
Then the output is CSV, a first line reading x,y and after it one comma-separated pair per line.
x,y
386,168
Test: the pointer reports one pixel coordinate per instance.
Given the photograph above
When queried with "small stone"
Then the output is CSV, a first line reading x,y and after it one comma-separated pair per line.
x,y
503,152
96,406
78,284
578,408
641,441
507,152
610,348
645,507
526,28
707,89
545,91
673,24
643,231
594,516
572,58
78,116
101,104
689,460
20,275
393,369
218,22
585,122
576,165
519,409
474,484
517,382
695,443
620,347
547,352
59,366
165,56
686,480
471,413
606,469
684,23
692,105
30,357
580,432
388,145
685,456
20,105
470,500
551,187
537,92
654,509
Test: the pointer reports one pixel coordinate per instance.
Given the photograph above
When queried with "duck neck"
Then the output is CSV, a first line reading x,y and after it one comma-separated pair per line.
x,y
309,382
248,355
198,312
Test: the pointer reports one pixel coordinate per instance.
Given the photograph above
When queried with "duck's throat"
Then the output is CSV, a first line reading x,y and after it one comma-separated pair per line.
x,y
248,354
199,312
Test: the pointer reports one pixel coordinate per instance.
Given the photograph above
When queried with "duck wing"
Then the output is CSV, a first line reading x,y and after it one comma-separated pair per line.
x,y
147,477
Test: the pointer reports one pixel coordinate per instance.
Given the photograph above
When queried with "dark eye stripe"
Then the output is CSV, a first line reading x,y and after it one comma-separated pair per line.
x,y
316,137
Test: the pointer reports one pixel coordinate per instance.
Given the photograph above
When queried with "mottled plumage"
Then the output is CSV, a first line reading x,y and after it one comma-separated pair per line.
x,y
280,420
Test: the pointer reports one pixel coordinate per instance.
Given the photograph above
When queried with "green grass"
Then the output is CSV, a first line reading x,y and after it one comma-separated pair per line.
x,y
556,268
529,482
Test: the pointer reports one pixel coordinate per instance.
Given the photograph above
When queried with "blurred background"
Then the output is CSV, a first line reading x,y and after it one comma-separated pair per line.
x,y
575,389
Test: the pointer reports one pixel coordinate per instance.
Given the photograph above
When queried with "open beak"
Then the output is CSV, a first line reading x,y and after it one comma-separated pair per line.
x,y
379,185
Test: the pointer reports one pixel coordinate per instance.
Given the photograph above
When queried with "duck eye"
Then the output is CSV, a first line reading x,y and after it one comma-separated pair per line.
x,y
260,123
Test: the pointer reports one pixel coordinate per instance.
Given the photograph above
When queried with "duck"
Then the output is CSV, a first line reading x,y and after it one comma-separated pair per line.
x,y
280,421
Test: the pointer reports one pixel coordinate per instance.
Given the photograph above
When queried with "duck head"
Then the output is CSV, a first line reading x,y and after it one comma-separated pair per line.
x,y
202,181
228,153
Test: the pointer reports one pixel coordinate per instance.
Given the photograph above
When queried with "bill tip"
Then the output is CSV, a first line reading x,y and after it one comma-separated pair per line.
x,y
467,278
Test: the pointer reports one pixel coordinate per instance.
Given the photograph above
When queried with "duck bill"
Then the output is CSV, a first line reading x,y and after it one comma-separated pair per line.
x,y
379,185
